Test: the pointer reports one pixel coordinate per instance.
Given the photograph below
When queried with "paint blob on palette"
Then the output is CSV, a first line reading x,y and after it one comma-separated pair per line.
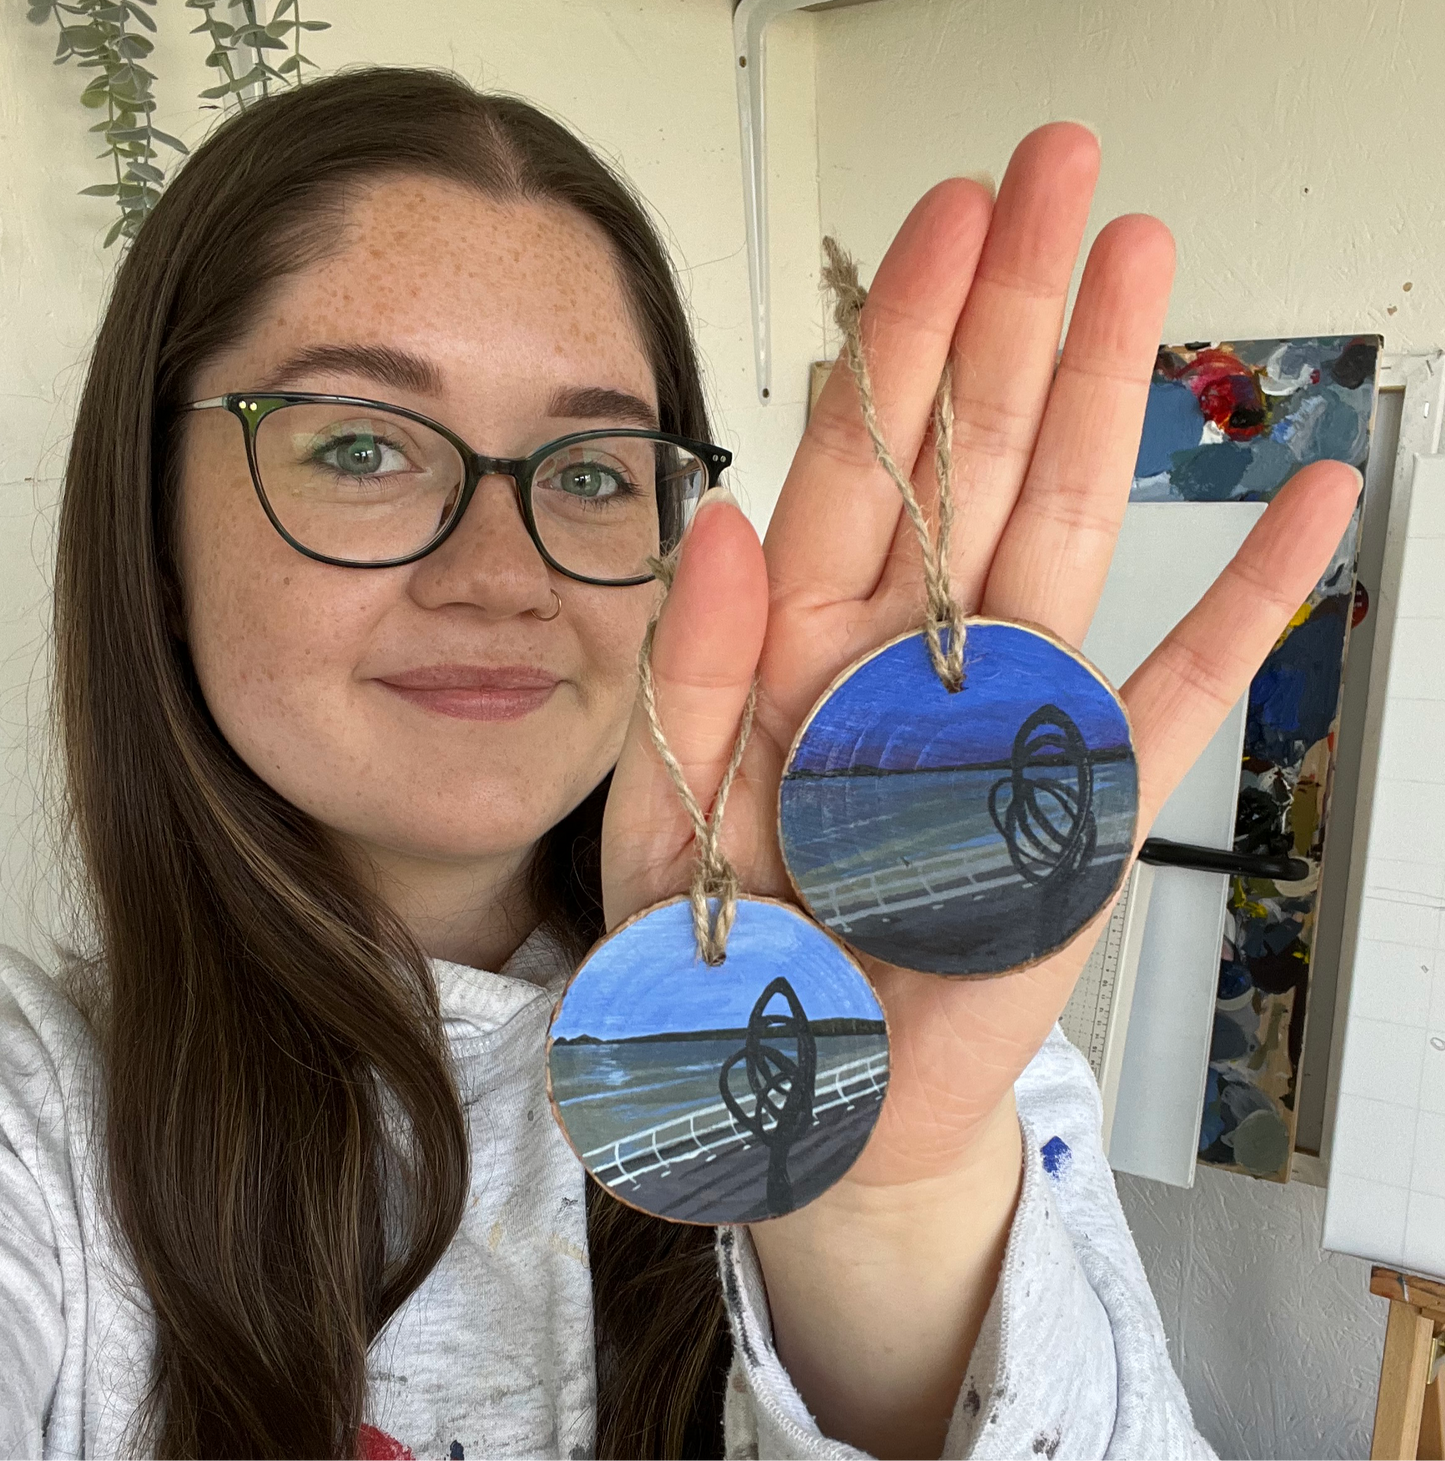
x,y
963,833
718,1095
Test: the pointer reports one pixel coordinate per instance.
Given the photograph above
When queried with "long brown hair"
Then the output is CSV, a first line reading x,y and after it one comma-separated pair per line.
x,y
258,1006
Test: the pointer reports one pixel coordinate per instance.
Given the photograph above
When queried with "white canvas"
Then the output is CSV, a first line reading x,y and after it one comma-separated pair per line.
x,y
1168,555
1386,1199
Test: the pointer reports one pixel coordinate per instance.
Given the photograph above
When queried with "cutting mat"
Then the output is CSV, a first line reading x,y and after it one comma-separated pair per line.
x,y
1096,1018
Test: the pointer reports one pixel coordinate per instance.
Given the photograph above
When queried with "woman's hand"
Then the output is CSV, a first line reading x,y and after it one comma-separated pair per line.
x,y
1044,456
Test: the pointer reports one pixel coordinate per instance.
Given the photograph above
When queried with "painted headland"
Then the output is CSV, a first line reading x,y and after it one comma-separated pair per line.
x,y
962,833
718,1095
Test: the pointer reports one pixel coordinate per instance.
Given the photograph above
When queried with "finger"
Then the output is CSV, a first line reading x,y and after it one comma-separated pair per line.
x,y
1007,339
703,657
1054,554
1181,694
838,510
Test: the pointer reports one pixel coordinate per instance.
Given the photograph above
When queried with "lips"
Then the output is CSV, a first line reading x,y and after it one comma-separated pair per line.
x,y
474,692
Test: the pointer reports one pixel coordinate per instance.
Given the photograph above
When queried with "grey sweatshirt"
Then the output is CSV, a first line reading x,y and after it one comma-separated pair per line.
x,y
492,1355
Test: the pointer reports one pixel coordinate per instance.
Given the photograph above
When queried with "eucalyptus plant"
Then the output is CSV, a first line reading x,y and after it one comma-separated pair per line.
x,y
250,38
102,36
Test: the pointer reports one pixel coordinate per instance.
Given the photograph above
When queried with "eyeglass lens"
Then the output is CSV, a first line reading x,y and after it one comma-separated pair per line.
x,y
364,485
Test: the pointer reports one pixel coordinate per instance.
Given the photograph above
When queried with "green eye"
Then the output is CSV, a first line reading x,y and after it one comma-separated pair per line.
x,y
360,454
590,479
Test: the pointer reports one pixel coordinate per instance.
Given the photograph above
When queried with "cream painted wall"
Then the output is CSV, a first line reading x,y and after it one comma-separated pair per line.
x,y
1291,147
647,82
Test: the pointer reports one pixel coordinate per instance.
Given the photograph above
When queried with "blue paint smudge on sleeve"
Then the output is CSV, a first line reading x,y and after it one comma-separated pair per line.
x,y
1057,1157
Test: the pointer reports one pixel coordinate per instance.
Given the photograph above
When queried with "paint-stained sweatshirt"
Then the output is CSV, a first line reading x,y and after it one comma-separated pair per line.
x,y
492,1356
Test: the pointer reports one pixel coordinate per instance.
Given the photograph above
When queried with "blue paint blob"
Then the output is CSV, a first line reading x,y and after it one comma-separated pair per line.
x,y
1294,696
1210,473
1057,1157
1234,979
1173,423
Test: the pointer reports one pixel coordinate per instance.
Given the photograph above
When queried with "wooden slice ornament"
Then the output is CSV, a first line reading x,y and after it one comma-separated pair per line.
x,y
963,800
718,1058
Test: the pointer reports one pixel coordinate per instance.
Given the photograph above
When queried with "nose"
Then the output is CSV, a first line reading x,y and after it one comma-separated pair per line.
x,y
489,559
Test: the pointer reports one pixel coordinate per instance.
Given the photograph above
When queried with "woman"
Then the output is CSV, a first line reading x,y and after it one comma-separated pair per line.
x,y
289,1184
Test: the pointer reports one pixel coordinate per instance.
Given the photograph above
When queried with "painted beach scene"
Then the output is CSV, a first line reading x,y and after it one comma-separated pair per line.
x,y
1233,420
962,833
725,1094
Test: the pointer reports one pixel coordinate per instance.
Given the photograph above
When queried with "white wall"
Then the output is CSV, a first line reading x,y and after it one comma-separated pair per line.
x,y
1294,149
647,82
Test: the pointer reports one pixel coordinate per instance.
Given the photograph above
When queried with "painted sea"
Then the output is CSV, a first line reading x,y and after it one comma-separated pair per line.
x,y
928,881
964,833
718,1094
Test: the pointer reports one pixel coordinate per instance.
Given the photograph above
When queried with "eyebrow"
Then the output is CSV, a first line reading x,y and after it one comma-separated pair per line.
x,y
601,403
401,369
381,363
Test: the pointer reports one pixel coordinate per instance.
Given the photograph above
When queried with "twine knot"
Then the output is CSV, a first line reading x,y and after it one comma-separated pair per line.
x,y
944,625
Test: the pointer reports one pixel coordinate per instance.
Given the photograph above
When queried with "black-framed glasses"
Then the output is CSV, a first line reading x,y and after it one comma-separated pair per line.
x,y
364,484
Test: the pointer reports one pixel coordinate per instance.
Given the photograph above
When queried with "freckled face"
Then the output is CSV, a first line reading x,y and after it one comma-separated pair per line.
x,y
512,304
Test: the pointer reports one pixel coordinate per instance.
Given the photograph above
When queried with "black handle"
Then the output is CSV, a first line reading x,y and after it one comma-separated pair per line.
x,y
1160,852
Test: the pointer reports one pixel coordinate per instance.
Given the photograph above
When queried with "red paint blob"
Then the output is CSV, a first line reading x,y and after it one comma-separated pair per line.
x,y
376,1445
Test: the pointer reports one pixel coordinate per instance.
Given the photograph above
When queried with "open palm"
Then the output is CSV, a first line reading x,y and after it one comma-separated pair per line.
x,y
1044,450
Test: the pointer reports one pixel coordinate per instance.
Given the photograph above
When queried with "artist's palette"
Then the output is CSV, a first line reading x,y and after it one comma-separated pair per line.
x,y
962,833
718,1095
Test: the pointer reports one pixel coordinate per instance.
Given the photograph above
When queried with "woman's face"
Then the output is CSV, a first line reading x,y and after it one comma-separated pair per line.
x,y
509,324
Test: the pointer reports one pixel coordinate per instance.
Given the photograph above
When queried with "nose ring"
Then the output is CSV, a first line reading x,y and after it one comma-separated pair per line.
x,y
556,608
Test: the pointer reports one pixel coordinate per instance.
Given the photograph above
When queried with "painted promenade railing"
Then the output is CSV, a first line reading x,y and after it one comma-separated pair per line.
x,y
711,1130
920,883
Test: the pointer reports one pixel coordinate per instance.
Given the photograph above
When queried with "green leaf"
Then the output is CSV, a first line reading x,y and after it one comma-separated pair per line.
x,y
283,9
292,63
315,25
174,143
141,16
38,14
114,233
99,190
146,172
224,89
134,47
92,99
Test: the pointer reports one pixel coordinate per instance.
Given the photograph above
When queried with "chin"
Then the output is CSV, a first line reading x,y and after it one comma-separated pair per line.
x,y
444,830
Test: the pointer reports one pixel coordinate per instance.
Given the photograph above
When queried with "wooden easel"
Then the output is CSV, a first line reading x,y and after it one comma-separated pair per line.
x,y
1410,1412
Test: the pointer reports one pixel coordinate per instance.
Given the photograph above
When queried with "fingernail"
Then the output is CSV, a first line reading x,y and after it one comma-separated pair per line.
x,y
715,495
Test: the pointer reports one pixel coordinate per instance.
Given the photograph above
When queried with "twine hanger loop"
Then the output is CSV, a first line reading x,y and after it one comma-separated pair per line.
x,y
945,614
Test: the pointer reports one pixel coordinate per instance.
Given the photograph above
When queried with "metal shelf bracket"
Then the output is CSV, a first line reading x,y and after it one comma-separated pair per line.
x,y
750,20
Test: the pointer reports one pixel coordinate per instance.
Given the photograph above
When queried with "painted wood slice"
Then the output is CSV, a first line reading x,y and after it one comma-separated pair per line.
x,y
967,833
718,1095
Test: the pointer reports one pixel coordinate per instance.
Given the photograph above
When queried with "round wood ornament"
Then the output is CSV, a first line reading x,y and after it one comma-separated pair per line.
x,y
718,1094
965,832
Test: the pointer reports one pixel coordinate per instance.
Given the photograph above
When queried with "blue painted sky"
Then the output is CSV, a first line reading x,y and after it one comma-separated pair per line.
x,y
894,713
648,978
